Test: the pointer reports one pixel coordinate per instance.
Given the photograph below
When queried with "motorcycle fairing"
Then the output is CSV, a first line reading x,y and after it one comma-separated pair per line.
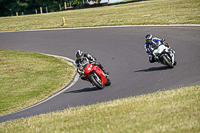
x,y
89,68
101,74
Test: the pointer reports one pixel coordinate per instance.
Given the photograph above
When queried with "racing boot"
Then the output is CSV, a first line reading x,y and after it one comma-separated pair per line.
x,y
152,59
171,50
107,73
175,63
100,66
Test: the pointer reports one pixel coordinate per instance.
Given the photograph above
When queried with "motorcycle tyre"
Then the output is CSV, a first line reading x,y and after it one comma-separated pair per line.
x,y
108,83
93,80
167,62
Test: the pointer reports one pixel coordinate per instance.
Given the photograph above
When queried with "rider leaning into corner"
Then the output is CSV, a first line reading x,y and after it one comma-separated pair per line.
x,y
81,56
151,44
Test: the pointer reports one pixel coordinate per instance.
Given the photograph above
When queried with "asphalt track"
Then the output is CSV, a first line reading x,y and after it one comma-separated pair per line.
x,y
121,52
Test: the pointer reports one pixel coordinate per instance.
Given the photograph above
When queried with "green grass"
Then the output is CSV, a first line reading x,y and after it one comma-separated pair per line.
x,y
136,13
174,111
27,78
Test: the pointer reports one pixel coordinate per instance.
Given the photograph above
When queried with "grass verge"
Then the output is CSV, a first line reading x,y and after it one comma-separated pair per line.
x,y
136,13
169,111
27,78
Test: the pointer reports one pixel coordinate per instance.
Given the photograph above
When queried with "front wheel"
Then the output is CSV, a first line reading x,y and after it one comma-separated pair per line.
x,y
167,61
94,78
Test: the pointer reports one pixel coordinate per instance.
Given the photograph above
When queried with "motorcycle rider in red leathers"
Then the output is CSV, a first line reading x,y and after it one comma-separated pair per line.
x,y
151,44
80,56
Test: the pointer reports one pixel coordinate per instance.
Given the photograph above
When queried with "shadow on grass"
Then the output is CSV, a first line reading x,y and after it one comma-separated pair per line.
x,y
154,69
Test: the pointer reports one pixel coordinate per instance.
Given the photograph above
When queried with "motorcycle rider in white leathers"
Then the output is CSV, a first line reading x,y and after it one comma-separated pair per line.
x,y
151,44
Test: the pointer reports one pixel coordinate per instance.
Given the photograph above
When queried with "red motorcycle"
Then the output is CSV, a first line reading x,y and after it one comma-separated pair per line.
x,y
94,74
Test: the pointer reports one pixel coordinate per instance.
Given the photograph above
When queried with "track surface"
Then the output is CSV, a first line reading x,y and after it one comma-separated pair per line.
x,y
121,52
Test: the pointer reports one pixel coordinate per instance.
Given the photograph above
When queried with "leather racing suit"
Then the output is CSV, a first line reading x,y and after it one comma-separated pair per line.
x,y
151,46
92,61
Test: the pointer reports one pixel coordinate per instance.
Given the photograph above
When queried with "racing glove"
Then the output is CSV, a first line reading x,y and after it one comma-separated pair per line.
x,y
162,41
93,62
82,77
148,51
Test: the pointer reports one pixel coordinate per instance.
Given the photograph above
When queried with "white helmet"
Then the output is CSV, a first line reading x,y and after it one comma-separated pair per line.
x,y
148,38
79,54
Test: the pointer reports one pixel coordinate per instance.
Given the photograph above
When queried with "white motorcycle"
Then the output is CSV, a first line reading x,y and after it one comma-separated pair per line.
x,y
165,55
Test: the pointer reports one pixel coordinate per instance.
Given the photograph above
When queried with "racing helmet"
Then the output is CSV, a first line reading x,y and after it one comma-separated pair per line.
x,y
148,38
79,54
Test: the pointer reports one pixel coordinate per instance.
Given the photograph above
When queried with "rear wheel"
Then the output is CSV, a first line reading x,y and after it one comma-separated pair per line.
x,y
94,78
167,61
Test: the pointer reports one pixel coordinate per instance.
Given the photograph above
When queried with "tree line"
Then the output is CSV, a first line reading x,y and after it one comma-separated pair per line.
x,y
10,7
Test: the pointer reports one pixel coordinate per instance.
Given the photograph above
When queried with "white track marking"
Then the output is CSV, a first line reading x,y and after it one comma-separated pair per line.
x,y
74,80
123,26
